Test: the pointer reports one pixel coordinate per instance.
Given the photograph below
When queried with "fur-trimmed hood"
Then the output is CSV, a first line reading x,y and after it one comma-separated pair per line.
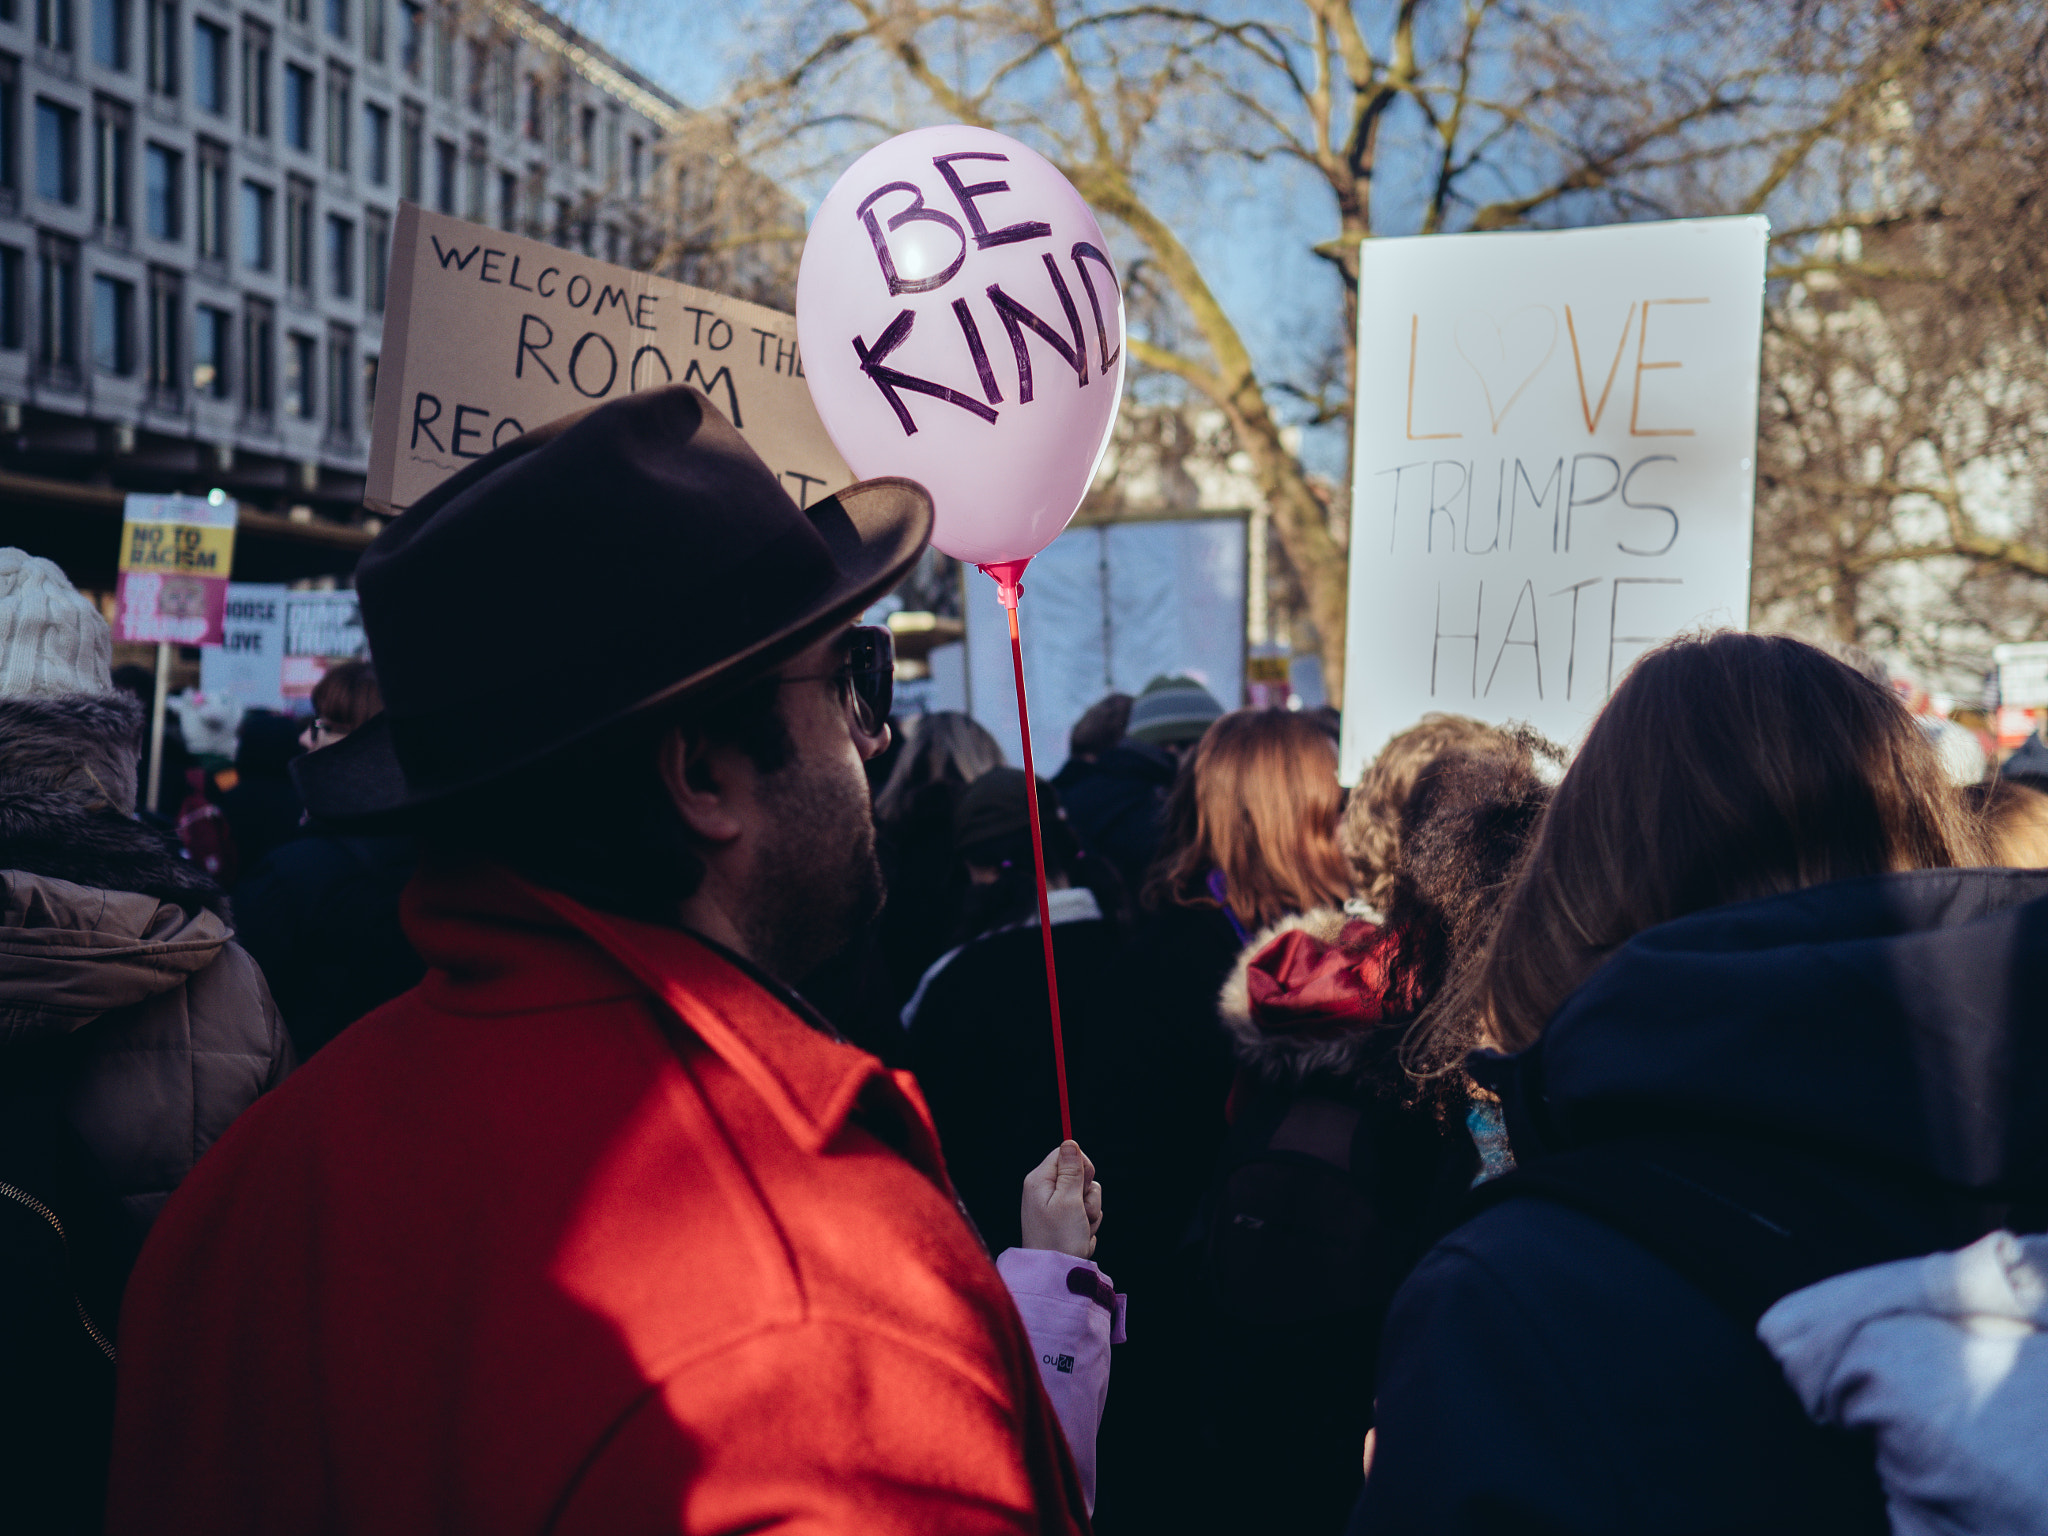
x,y
67,783
1307,997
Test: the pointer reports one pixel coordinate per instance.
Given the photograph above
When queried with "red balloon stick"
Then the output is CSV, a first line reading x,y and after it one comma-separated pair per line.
x,y
1009,587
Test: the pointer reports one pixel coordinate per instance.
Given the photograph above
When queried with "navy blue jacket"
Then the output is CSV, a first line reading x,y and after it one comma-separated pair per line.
x,y
1542,1372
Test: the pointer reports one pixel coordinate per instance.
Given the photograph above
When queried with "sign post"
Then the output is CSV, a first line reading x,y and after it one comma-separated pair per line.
x,y
176,553
488,334
1555,466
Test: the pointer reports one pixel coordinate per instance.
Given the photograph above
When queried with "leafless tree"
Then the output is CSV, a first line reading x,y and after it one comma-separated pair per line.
x,y
1423,116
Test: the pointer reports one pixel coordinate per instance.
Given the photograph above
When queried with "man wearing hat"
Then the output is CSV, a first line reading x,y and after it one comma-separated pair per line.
x,y
599,1228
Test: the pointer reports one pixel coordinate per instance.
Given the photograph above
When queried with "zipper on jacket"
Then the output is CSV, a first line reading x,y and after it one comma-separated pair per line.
x,y
23,1197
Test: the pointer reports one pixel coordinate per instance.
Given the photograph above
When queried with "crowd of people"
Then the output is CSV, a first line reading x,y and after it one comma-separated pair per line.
x,y
599,1108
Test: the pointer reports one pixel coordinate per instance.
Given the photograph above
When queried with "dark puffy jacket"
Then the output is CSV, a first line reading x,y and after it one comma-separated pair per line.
x,y
1542,1372
132,1032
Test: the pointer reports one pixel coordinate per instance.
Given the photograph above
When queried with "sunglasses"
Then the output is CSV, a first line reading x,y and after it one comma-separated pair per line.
x,y
868,674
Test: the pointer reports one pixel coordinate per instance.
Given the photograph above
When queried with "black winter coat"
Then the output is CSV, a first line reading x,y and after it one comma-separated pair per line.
x,y
320,915
1542,1372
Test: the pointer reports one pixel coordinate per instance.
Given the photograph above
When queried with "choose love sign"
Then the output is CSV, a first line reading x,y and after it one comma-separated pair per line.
x,y
1555,466
488,334
962,326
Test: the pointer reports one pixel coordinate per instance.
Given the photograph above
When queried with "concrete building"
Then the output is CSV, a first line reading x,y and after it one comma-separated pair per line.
x,y
196,199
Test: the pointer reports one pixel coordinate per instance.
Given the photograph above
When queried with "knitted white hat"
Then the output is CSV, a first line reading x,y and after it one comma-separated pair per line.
x,y
52,641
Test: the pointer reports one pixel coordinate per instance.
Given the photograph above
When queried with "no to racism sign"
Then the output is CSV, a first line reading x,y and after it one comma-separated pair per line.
x,y
1555,466
488,334
176,552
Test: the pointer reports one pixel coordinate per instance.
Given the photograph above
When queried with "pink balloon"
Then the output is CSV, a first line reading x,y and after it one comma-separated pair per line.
x,y
961,325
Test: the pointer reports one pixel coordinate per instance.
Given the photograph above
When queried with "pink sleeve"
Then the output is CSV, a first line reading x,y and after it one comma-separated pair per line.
x,y
1072,1314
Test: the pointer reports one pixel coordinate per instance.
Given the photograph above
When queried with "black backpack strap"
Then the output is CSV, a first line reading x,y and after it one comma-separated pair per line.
x,y
1746,1222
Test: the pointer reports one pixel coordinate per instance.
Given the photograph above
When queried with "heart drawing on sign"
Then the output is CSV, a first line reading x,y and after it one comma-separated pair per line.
x,y
1507,357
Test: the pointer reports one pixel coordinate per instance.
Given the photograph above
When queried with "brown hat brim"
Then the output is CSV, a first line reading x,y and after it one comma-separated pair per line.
x,y
875,530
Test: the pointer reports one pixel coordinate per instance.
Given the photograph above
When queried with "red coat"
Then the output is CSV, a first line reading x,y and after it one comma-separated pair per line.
x,y
519,1252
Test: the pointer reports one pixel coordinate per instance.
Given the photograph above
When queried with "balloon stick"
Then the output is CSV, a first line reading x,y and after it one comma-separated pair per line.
x,y
1008,575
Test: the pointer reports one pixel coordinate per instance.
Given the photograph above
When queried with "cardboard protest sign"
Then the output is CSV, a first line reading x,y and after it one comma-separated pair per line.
x,y
488,334
1555,466
176,552
2022,674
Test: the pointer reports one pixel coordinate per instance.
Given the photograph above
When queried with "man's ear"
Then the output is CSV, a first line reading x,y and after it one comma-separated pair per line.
x,y
701,777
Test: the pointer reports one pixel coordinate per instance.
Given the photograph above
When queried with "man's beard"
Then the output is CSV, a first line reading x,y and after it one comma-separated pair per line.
x,y
817,881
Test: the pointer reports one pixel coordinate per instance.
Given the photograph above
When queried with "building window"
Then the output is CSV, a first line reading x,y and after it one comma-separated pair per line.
x,y
56,153
339,118
479,92
161,59
10,129
297,10
564,109
376,258
369,387
210,66
536,109
113,138
298,107
614,243
53,25
337,19
373,30
377,143
444,176
259,359
636,164
341,256
412,142
444,54
412,37
213,333
301,362
110,33
113,326
57,307
256,81
508,201
212,201
11,269
166,307
341,385
163,176
586,139
479,169
298,235
256,237
560,234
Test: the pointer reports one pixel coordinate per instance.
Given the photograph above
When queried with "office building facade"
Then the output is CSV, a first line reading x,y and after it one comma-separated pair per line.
x,y
196,205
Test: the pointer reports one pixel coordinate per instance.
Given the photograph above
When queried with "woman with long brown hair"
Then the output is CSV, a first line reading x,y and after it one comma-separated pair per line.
x,y
1250,837
1765,1022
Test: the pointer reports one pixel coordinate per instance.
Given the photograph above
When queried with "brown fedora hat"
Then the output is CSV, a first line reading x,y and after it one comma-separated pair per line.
x,y
631,555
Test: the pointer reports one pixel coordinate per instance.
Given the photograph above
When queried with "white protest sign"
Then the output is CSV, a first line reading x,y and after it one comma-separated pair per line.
x,y
249,661
1555,466
2022,674
488,334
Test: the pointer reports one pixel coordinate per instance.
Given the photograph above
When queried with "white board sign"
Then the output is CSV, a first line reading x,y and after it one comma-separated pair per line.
x,y
488,334
1555,466
2022,674
1107,608
249,662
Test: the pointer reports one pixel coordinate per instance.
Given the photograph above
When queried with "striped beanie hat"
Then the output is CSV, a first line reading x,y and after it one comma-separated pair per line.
x,y
1172,709
52,641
